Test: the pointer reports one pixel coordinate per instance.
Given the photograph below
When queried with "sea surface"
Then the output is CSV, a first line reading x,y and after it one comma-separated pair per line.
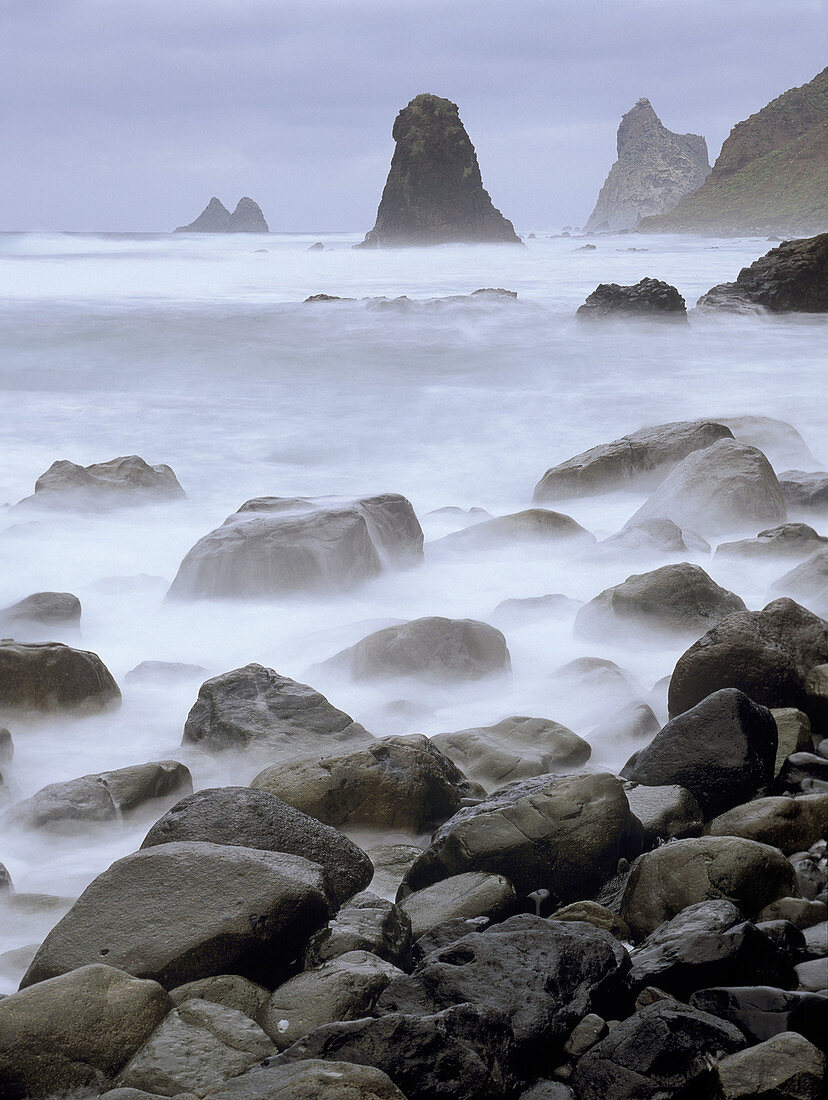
x,y
201,352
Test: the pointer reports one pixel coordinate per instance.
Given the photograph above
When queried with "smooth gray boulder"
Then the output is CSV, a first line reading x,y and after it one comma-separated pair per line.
x,y
474,894
230,990
277,545
54,609
49,677
666,812
793,729
786,1065
777,439
805,489
257,819
788,540
75,1031
533,525
365,923
117,483
432,648
807,583
313,1079
178,912
790,824
651,537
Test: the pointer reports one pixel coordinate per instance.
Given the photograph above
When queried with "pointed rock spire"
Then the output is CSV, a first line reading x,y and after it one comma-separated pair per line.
x,y
214,218
248,218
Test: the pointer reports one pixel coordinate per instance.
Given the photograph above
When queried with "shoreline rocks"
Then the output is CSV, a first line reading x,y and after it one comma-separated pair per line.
x,y
119,483
50,677
650,299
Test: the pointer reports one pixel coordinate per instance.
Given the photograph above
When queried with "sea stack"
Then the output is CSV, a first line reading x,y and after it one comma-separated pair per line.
x,y
434,192
655,169
248,218
216,218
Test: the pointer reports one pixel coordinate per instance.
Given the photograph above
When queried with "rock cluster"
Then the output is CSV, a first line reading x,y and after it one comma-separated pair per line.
x,y
118,483
216,218
791,278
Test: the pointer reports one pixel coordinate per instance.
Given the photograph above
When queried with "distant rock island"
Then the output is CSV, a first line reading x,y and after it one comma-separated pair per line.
x,y
434,192
216,218
771,175
654,170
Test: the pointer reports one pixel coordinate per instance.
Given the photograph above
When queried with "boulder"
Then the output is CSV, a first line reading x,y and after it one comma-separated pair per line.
x,y
474,894
813,975
597,915
816,941
537,525
651,537
665,1049
788,540
164,672
800,912
118,483
667,880
214,218
721,488
564,835
790,824
103,796
544,976
276,545
709,941
804,488
313,1079
761,1011
366,923
396,782
434,192
178,912
649,298
513,748
255,706
75,1031
247,217
723,750
632,723
665,813
49,677
6,746
793,733
807,583
230,990
345,988
779,441
679,598
791,278
54,609
531,609
257,819
786,1065
196,1047
766,654
640,460
433,648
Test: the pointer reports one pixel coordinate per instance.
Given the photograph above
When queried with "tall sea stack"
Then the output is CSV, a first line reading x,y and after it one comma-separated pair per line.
x,y
216,218
434,192
654,170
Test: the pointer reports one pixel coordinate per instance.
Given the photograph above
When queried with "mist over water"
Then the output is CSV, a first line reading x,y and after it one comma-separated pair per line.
x,y
201,353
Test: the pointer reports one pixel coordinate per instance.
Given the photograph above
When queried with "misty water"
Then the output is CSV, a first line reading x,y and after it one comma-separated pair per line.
x,y
200,352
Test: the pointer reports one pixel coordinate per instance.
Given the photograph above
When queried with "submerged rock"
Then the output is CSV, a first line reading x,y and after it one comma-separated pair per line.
x,y
434,192
788,540
648,298
777,439
792,278
48,608
50,677
807,583
118,483
804,489
533,525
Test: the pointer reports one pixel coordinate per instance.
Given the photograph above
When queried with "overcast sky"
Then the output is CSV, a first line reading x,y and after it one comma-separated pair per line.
x,y
130,114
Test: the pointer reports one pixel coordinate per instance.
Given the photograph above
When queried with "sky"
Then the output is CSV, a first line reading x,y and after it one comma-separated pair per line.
x,y
128,115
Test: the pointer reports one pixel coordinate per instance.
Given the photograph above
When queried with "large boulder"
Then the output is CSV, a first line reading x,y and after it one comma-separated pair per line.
x,y
257,819
762,1011
255,706
723,751
639,460
648,298
117,483
461,897
178,912
513,748
790,824
669,879
565,835
650,537
666,812
434,192
230,990
786,1065
53,609
50,677
679,598
792,278
788,540
721,488
537,525
778,440
313,1079
395,782
276,545
433,648
766,654
365,923
805,488
807,583
75,1031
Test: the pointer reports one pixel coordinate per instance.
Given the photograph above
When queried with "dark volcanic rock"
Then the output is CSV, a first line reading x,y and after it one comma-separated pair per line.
x,y
792,278
723,751
183,911
49,677
118,483
275,545
761,1011
638,460
804,489
214,218
766,654
256,819
247,218
434,192
649,298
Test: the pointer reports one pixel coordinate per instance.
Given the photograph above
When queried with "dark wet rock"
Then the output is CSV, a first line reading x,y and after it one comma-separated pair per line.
x,y
118,483
49,608
49,677
75,1031
247,218
665,813
434,192
678,598
789,824
639,460
463,1052
721,488
791,278
513,748
667,880
800,912
652,299
762,1011
723,751
474,894
590,912
442,935
366,923
707,942
545,1089
665,1049
804,489
779,441
394,783
254,706
811,873
214,218
565,835
793,730
103,796
230,990
813,975
345,988
766,654
786,937
164,672
537,525
312,1079
183,911
807,583
276,545
804,772
544,976
786,1065
652,536
816,941
257,819
531,609
632,723
433,648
